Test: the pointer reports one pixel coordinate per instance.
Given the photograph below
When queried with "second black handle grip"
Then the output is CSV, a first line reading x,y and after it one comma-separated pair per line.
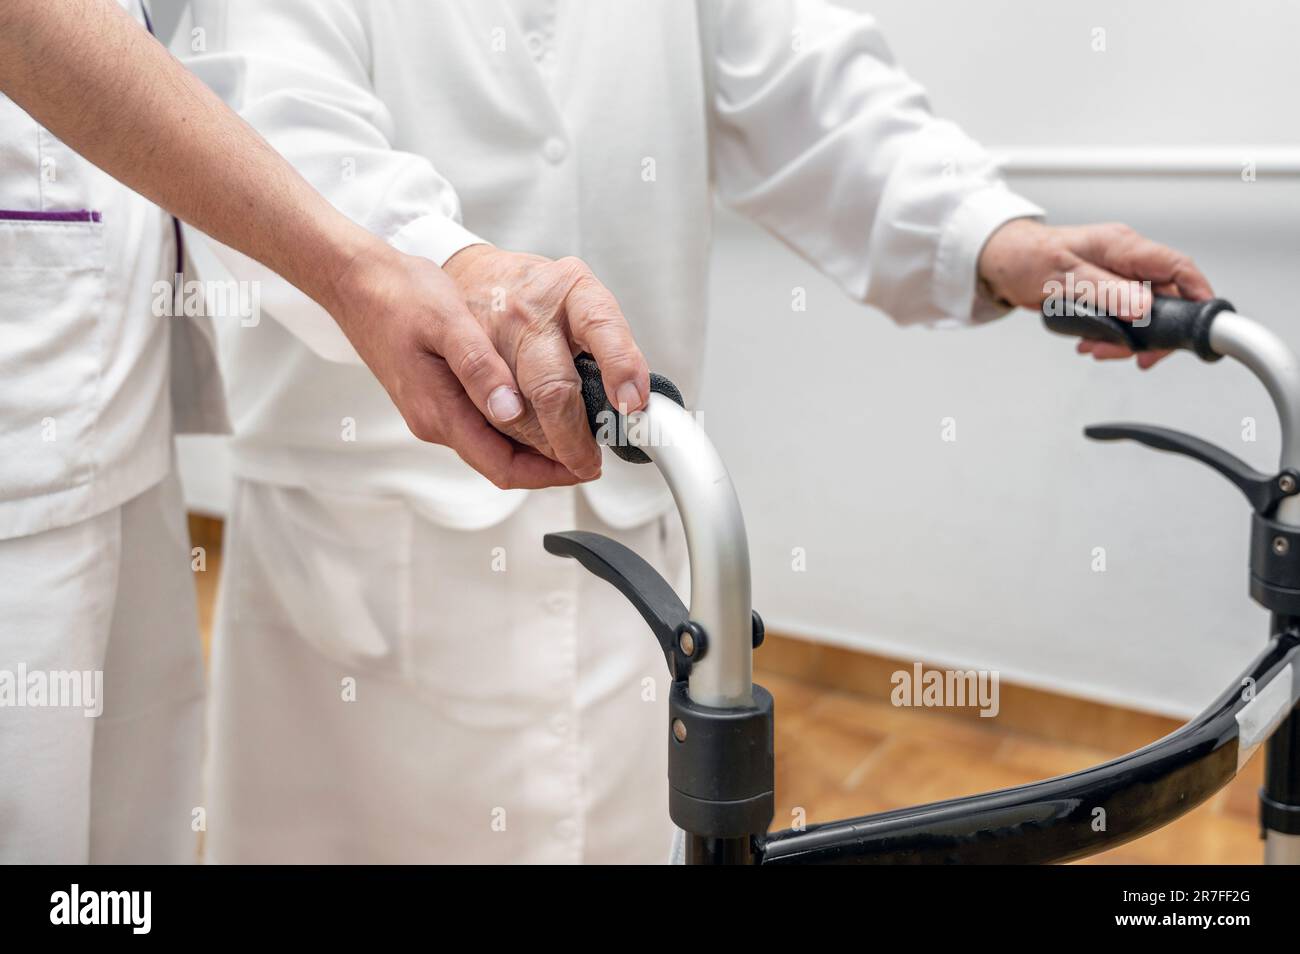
x,y
600,414
1174,323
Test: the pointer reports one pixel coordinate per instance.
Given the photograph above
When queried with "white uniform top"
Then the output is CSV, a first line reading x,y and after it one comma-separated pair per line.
x,y
568,127
85,415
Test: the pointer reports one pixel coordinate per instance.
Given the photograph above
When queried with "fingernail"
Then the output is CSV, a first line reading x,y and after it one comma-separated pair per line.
x,y
591,474
629,398
504,405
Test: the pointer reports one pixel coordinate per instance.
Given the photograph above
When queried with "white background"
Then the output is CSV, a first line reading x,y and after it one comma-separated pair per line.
x,y
978,552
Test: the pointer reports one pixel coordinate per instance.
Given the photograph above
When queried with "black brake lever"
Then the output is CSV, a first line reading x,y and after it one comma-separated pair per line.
x,y
682,641
1264,491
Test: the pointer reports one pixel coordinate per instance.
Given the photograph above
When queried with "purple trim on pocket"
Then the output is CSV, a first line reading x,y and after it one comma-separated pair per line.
x,y
80,215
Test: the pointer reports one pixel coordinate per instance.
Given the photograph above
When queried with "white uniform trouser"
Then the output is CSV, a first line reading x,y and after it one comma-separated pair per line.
x,y
113,594
386,689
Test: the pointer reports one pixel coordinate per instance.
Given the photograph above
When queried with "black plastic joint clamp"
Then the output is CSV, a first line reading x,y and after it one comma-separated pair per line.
x,y
721,768
1275,565
1275,816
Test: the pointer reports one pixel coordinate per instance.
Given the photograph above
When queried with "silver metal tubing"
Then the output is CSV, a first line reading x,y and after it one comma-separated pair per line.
x,y
1275,364
1272,361
716,541
1281,849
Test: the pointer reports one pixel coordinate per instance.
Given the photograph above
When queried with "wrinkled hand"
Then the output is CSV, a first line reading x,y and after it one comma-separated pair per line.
x,y
1024,257
407,320
538,314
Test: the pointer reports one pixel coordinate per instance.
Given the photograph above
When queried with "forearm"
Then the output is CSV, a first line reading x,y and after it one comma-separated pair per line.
x,y
88,73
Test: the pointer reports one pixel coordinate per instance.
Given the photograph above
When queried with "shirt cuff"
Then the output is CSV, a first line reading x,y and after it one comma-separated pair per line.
x,y
434,237
964,237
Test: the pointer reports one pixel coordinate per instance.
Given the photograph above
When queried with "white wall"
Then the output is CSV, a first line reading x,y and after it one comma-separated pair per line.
x,y
978,552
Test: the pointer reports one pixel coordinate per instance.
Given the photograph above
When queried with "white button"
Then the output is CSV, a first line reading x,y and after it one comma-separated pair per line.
x,y
536,43
560,725
559,603
554,149
567,828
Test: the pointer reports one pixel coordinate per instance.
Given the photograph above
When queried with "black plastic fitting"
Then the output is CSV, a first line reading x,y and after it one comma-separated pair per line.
x,y
1275,565
721,766
1276,816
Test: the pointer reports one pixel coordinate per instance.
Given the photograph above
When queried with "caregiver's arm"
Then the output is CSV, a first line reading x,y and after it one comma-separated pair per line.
x,y
95,78
301,73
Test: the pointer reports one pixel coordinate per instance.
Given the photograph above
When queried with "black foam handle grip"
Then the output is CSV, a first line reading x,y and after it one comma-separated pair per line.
x,y
601,415
1174,323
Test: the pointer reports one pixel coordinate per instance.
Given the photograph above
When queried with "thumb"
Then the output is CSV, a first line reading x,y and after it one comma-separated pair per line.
x,y
482,372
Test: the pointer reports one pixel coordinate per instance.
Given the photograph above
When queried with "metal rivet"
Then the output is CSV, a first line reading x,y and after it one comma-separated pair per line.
x,y
686,642
1286,484
679,730
1281,545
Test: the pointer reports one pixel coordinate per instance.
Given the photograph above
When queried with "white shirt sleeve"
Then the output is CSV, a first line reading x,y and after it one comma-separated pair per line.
x,y
819,136
298,71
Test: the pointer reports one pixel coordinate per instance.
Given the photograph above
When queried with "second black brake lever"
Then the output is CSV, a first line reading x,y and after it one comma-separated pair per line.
x,y
1264,491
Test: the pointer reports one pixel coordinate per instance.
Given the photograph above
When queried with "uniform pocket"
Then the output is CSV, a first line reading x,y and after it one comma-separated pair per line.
x,y
51,349
332,568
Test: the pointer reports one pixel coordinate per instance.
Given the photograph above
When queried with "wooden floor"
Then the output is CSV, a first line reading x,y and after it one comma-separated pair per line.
x,y
841,753
207,533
